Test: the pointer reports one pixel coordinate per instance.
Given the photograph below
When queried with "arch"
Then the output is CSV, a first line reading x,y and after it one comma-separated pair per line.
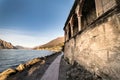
x,y
65,34
69,34
87,12
75,24
81,6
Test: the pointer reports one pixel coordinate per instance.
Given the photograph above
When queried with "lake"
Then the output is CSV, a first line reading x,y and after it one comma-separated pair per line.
x,y
12,58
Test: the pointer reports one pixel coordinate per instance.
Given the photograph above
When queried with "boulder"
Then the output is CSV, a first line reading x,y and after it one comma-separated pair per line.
x,y
42,62
32,62
21,67
6,73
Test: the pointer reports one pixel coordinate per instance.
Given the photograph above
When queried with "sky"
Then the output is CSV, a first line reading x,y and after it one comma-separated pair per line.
x,y
30,23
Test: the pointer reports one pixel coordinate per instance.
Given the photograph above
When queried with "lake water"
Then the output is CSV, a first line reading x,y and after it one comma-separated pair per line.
x,y
12,58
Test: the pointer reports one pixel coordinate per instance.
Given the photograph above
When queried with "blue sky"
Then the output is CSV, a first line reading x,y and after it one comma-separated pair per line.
x,y
32,22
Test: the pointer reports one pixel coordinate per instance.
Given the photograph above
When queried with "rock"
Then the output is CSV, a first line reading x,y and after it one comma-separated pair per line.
x,y
21,67
33,61
42,62
6,73
3,77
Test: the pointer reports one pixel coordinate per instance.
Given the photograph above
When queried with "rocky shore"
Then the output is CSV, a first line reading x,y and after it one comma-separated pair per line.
x,y
31,70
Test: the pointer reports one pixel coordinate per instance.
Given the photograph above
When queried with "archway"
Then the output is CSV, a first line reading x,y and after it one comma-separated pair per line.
x,y
75,24
88,13
69,31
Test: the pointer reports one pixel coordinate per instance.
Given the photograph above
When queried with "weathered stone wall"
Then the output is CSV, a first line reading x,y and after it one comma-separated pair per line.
x,y
69,50
98,48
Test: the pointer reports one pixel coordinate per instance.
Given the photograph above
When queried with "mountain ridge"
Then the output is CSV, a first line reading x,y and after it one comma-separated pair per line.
x,y
55,45
6,45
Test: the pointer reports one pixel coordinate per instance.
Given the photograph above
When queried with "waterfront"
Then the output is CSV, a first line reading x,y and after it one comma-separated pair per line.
x,y
12,58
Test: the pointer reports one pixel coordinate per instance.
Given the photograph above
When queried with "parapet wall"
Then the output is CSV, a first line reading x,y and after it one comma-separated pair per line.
x,y
98,48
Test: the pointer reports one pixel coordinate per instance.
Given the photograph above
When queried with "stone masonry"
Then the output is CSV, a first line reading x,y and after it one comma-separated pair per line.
x,y
92,37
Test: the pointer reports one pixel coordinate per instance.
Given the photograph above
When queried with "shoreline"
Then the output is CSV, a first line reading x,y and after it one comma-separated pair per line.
x,y
29,68
19,57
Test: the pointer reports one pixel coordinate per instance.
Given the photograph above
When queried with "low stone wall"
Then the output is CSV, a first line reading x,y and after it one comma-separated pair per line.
x,y
98,48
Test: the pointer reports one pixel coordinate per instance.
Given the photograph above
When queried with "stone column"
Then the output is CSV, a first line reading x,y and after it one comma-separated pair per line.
x,y
71,25
79,22
99,7
78,17
67,33
72,30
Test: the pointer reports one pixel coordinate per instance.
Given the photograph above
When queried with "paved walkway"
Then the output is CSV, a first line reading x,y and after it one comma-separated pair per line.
x,y
52,73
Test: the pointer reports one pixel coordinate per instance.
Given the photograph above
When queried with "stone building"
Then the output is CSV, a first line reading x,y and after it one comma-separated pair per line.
x,y
92,36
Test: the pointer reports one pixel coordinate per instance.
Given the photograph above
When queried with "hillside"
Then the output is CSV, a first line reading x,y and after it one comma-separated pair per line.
x,y
6,45
21,47
54,45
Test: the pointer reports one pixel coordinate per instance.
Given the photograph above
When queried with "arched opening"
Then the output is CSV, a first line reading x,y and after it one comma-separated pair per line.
x,y
75,24
65,34
69,31
88,13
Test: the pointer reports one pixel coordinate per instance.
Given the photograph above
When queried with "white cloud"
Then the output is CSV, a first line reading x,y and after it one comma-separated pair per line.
x,y
27,39
18,38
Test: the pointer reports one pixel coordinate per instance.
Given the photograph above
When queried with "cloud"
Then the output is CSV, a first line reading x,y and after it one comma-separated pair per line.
x,y
21,38
28,38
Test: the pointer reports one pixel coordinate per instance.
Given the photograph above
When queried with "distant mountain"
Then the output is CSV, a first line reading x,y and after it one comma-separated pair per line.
x,y
6,45
21,47
53,45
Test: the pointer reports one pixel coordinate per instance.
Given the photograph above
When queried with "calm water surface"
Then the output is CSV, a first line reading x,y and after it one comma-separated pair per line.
x,y
11,58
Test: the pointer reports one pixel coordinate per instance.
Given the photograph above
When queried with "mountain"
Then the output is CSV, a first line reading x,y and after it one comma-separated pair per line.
x,y
21,47
54,45
6,45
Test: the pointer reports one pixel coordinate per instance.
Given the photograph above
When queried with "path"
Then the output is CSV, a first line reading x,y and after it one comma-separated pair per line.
x,y
52,73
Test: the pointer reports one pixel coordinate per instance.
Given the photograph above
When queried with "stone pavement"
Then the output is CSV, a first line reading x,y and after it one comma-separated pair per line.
x,y
52,73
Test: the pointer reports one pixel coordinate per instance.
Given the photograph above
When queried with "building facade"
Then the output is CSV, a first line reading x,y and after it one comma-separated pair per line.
x,y
92,36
